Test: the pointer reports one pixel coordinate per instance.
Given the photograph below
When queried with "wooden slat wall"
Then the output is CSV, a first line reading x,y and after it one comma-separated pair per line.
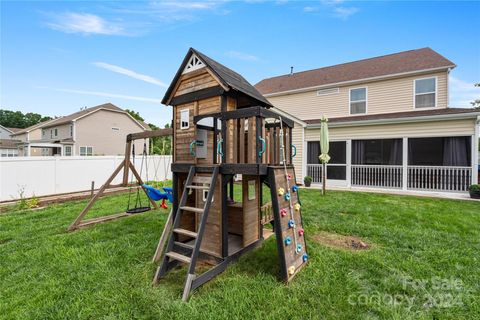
x,y
251,211
212,238
194,82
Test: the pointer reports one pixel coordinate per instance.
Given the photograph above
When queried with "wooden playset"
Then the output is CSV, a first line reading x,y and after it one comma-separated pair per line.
x,y
223,128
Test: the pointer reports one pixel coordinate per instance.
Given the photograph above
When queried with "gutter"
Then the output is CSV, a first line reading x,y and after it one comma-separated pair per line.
x,y
281,93
399,120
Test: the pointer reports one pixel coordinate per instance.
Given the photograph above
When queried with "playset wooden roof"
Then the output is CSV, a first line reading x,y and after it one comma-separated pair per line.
x,y
228,78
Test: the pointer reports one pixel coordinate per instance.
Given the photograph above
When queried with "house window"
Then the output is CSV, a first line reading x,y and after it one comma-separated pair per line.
x,y
115,128
45,152
425,93
86,151
44,132
184,119
68,151
358,101
56,132
71,130
51,134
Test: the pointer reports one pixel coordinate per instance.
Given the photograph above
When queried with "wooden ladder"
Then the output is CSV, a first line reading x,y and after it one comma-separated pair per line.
x,y
178,251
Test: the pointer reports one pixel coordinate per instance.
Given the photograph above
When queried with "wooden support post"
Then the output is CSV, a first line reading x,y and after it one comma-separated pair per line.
x,y
163,237
89,205
128,152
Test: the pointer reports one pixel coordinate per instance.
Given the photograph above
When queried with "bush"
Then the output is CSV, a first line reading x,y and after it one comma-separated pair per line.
x,y
307,179
474,188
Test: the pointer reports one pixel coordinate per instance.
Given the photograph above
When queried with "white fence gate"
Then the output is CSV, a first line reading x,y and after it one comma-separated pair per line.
x,y
41,176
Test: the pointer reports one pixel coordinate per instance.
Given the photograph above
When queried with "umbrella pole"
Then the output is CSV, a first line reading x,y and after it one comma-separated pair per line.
x,y
324,178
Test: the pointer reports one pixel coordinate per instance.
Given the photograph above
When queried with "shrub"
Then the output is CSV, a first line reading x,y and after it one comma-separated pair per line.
x,y
474,188
307,179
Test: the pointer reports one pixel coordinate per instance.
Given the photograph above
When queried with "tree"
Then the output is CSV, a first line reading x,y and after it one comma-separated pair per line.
x,y
16,119
476,102
135,115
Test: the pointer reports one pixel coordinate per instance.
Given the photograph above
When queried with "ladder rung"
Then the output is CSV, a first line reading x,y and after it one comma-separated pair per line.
x,y
185,232
178,256
202,179
199,187
192,209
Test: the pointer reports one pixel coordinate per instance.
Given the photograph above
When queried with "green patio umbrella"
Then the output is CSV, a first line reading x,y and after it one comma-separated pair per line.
x,y
324,148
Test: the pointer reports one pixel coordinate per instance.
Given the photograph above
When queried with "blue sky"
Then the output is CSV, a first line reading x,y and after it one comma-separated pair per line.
x,y
57,57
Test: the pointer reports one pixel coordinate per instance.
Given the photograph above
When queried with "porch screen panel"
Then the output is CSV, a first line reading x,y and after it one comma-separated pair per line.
x,y
377,152
313,152
447,151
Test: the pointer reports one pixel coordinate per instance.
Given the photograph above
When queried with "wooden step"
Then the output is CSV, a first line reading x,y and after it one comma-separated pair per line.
x,y
178,256
202,179
199,187
192,209
185,232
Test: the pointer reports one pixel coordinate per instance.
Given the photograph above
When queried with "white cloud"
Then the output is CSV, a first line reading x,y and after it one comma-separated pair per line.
x,y
242,56
188,5
462,93
130,73
103,94
310,9
84,23
344,12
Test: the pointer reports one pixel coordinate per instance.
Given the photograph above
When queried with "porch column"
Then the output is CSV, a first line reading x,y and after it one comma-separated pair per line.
x,y
349,163
405,163
474,152
28,151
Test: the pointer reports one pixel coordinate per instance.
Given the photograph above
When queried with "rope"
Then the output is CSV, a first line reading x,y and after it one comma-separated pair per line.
x,y
284,153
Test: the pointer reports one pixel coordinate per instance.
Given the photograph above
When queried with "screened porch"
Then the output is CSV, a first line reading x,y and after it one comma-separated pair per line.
x,y
434,164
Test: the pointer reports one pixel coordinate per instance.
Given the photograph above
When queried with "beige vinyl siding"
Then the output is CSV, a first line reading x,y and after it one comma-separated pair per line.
x,y
95,130
385,96
444,128
297,140
63,132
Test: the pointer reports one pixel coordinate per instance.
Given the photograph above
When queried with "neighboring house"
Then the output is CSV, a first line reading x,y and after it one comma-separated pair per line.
x,y
99,130
389,120
8,148
5,133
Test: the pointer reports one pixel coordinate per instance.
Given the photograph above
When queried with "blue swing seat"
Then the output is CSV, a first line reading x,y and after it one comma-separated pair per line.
x,y
157,195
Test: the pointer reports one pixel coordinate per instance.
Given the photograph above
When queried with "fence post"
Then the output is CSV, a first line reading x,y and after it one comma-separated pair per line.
x,y
405,164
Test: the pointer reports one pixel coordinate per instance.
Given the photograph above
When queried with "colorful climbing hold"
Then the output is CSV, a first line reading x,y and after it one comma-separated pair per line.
x,y
289,177
291,270
287,196
281,191
305,257
297,206
299,248
283,212
291,223
301,232
295,188
288,241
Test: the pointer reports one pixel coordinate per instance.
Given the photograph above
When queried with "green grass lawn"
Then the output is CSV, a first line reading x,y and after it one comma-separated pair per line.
x,y
424,264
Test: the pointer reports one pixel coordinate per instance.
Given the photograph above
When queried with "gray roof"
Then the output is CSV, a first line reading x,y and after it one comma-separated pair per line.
x,y
76,115
229,78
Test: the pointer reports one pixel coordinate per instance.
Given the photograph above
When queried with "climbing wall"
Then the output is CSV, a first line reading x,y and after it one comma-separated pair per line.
x,y
289,231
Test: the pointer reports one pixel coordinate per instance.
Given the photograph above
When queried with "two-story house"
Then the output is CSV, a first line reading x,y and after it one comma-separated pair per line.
x,y
99,130
390,124
8,146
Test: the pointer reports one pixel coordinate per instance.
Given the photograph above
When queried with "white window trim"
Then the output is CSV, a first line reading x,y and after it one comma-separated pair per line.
x,y
436,93
86,151
65,151
188,122
350,101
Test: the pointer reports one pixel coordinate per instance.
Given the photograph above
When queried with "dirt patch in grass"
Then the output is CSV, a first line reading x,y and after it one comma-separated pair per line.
x,y
338,241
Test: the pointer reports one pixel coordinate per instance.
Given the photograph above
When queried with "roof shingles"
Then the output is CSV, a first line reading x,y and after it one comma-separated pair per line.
x,y
397,63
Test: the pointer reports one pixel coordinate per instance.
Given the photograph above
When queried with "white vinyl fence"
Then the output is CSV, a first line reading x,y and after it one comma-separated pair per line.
x,y
41,176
